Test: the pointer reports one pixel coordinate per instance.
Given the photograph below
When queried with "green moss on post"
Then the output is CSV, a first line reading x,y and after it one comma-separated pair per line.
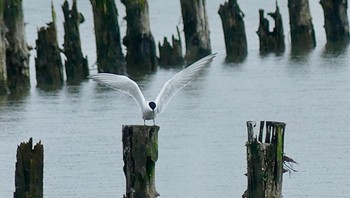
x,y
265,160
140,153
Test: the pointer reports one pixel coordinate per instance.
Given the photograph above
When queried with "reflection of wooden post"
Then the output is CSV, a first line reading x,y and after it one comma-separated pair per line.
x,y
301,27
140,153
234,31
29,170
265,160
17,53
141,48
196,29
110,57
336,20
3,42
48,64
171,55
271,41
76,65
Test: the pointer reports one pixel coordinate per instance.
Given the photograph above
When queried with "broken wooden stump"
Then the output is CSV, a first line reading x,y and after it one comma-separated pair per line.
x,y
271,41
17,52
265,160
48,64
76,65
140,153
301,28
234,31
4,90
196,29
336,21
141,48
110,57
29,170
171,55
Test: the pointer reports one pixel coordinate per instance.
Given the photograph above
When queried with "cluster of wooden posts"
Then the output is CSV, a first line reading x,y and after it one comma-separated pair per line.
x,y
141,48
266,162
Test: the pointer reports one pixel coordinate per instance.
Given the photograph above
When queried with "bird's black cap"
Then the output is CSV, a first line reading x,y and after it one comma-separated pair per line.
x,y
152,105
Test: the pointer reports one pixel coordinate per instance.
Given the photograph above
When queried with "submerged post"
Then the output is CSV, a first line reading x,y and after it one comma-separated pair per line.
x,y
29,170
140,153
171,55
265,160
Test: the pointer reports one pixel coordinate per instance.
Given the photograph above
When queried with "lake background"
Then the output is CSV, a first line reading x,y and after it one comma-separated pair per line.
x,y
202,133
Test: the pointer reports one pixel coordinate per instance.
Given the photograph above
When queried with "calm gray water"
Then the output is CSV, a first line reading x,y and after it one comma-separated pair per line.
x,y
203,132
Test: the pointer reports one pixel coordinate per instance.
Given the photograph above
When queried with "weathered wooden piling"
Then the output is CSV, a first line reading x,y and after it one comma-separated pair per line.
x,y
48,64
336,21
140,153
234,31
76,65
110,57
265,160
141,48
196,29
271,41
3,43
29,170
171,55
301,28
17,52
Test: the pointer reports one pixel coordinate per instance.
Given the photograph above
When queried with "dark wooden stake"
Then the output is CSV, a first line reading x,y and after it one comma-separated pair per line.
x,y
110,57
196,29
29,170
141,48
48,64
336,21
4,90
76,65
301,28
265,160
140,153
234,31
171,55
17,52
271,41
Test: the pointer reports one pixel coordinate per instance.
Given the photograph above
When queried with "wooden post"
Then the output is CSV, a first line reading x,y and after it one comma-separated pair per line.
x,y
3,44
76,65
234,31
301,28
171,55
29,170
48,64
17,52
140,153
141,48
265,160
196,29
271,41
110,57
336,20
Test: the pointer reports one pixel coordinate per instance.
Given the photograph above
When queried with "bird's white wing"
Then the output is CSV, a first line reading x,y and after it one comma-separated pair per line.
x,y
180,80
121,83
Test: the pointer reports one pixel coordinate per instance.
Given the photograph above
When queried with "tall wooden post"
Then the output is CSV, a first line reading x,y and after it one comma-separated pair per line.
x,y
3,44
141,48
110,57
271,41
140,153
76,65
265,160
196,29
17,52
48,64
29,170
301,27
234,31
336,21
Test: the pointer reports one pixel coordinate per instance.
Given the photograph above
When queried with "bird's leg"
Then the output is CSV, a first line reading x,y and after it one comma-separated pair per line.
x,y
154,123
144,122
